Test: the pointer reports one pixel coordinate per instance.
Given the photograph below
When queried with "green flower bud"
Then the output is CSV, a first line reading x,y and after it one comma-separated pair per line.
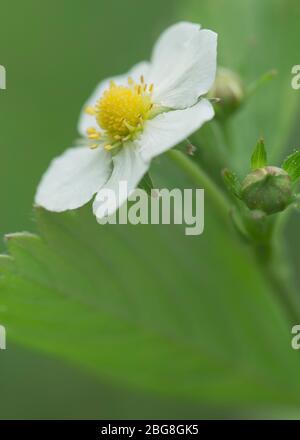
x,y
267,189
228,87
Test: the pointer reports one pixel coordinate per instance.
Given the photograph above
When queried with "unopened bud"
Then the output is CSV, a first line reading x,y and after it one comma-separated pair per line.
x,y
228,87
267,189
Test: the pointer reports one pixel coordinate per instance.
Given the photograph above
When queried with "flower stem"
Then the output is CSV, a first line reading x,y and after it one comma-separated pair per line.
x,y
273,268
267,246
266,252
203,180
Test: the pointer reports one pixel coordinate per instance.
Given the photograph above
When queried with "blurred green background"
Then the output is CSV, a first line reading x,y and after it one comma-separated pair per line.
x,y
55,52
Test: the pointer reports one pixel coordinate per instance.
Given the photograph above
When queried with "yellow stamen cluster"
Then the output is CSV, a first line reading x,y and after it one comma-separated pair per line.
x,y
121,112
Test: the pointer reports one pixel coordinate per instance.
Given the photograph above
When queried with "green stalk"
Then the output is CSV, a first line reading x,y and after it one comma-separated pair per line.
x,y
265,251
201,179
268,251
272,265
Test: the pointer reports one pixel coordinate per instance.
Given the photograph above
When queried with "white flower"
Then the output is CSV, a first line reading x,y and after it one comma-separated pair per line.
x,y
131,118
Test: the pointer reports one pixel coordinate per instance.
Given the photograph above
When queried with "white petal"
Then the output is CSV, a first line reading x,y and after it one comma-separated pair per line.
x,y
169,129
85,120
73,178
129,169
183,65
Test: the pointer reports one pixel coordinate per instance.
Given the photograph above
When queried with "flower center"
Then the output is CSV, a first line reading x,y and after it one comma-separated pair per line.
x,y
122,109
121,112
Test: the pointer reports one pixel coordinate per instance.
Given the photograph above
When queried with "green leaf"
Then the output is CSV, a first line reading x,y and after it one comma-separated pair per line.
x,y
292,165
232,182
259,156
141,305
